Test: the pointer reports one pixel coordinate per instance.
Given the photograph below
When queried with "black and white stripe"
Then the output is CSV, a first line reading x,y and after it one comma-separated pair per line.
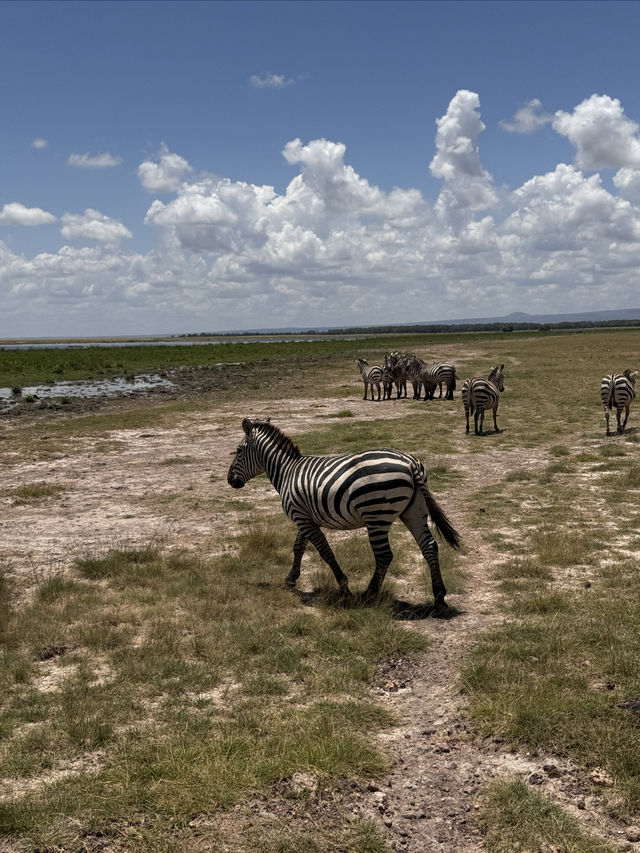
x,y
616,392
435,376
344,492
480,395
395,365
371,375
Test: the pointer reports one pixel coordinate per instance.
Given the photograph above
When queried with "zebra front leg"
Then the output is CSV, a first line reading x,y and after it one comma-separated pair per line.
x,y
415,518
299,547
495,420
313,534
379,541
466,415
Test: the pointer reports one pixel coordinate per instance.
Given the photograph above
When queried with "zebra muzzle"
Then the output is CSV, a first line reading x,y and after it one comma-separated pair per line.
x,y
235,482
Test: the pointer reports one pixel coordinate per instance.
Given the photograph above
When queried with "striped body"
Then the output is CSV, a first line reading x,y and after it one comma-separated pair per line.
x,y
435,376
481,395
344,492
616,392
395,365
414,367
371,376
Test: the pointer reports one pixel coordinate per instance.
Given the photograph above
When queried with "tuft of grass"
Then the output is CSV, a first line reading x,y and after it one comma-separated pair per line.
x,y
515,818
35,492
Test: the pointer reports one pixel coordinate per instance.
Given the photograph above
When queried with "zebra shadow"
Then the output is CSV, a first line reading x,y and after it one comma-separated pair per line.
x,y
402,611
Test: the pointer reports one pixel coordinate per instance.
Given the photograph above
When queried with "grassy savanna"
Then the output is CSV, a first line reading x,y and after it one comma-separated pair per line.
x,y
160,698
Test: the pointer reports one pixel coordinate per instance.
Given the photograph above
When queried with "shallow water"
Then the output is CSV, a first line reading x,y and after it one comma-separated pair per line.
x,y
88,388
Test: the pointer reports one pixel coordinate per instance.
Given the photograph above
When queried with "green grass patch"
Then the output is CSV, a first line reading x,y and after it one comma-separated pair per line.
x,y
172,686
517,819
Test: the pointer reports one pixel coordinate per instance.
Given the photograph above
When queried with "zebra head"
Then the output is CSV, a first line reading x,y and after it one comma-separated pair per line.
x,y
246,463
631,375
497,378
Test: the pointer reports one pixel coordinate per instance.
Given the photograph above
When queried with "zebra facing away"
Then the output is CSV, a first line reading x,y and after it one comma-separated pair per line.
x,y
616,392
438,374
478,395
344,492
371,375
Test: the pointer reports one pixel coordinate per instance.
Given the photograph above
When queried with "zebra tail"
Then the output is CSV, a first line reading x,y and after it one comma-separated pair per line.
x,y
438,515
610,402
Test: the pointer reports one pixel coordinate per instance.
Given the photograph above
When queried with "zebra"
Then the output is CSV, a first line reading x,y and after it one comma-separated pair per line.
x,y
395,364
344,492
370,376
387,384
437,375
478,395
617,391
414,366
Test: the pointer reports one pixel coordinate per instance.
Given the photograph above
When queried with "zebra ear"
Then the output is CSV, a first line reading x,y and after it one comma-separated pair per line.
x,y
502,367
247,426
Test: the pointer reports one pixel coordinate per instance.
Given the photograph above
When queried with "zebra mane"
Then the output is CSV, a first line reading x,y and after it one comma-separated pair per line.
x,y
282,441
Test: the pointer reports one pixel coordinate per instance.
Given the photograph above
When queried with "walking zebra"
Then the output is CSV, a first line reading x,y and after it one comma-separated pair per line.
x,y
370,376
344,492
437,375
617,391
478,395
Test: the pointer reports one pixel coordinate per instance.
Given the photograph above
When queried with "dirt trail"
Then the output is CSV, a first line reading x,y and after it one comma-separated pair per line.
x,y
170,485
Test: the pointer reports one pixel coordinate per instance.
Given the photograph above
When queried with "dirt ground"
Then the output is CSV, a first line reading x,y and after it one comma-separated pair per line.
x,y
170,485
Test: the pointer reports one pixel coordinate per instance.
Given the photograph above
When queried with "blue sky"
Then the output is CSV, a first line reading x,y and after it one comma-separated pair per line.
x,y
177,167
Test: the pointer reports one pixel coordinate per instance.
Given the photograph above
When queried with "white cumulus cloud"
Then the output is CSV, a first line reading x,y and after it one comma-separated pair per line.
x,y
603,135
93,225
15,213
164,173
94,161
527,119
39,142
468,186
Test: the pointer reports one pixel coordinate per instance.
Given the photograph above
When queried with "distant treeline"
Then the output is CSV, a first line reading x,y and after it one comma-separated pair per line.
x,y
431,328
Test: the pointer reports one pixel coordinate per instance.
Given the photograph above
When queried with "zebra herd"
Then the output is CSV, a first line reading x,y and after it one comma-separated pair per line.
x,y
372,488
617,390
478,395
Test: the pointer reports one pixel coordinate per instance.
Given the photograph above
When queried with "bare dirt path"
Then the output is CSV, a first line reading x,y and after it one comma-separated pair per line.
x,y
169,485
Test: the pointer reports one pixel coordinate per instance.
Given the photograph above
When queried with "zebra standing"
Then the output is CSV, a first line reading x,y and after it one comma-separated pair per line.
x,y
394,363
344,492
617,391
437,375
370,376
414,366
478,395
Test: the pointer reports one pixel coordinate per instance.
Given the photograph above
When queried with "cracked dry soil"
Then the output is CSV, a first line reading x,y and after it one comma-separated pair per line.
x,y
134,495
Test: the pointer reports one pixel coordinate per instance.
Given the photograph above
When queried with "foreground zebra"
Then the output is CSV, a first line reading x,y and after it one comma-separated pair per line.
x,y
370,376
617,391
478,395
367,489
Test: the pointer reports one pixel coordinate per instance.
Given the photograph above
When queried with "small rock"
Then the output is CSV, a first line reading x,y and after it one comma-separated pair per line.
x,y
600,777
552,770
535,779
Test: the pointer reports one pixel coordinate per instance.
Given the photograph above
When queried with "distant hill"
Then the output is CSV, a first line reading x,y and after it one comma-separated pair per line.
x,y
516,318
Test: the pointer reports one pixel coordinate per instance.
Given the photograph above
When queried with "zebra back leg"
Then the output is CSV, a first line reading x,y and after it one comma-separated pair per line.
x,y
311,532
606,417
415,518
478,420
495,419
621,427
379,541
299,547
